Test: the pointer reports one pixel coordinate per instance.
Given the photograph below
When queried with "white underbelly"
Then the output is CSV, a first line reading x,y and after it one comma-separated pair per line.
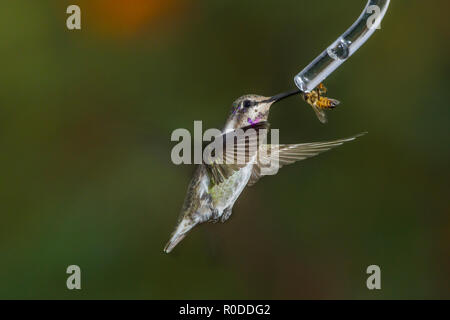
x,y
227,193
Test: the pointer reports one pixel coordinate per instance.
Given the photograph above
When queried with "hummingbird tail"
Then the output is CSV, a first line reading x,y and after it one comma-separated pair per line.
x,y
180,232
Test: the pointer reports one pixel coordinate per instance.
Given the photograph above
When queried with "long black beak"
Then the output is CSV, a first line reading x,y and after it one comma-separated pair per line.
x,y
284,95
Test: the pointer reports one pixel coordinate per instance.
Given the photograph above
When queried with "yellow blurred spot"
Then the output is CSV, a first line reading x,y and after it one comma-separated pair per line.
x,y
128,17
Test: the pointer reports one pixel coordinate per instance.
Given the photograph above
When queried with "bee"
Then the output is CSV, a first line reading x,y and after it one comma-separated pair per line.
x,y
319,103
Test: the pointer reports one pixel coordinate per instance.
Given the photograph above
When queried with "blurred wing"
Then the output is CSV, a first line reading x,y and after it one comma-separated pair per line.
x,y
289,153
323,104
235,151
320,113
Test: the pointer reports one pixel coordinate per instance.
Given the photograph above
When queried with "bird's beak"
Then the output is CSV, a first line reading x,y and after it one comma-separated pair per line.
x,y
284,95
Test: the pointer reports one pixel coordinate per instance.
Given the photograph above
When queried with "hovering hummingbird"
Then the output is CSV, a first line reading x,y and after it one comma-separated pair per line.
x,y
216,185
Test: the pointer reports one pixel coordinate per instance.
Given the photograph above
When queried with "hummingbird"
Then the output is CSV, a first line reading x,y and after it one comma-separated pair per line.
x,y
216,185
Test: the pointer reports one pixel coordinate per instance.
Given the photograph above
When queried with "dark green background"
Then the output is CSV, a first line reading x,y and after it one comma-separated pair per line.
x,y
85,124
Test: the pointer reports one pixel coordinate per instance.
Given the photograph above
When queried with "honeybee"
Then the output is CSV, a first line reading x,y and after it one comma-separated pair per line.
x,y
319,103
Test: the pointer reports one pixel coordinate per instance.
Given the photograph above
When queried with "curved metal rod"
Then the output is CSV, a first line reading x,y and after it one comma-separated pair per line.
x,y
346,45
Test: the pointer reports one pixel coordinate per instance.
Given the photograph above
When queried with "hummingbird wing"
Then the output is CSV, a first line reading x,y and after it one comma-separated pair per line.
x,y
285,154
233,150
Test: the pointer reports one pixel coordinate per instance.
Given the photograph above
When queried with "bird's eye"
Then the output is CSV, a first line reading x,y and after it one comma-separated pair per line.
x,y
247,104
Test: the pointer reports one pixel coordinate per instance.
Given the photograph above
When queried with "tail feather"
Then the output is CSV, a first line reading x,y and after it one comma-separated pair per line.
x,y
180,232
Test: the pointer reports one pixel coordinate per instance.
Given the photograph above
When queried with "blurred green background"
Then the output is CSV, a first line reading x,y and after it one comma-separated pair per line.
x,y
85,124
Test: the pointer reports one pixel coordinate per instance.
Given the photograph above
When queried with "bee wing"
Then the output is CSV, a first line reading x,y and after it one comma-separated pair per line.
x,y
233,150
320,113
323,104
272,157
